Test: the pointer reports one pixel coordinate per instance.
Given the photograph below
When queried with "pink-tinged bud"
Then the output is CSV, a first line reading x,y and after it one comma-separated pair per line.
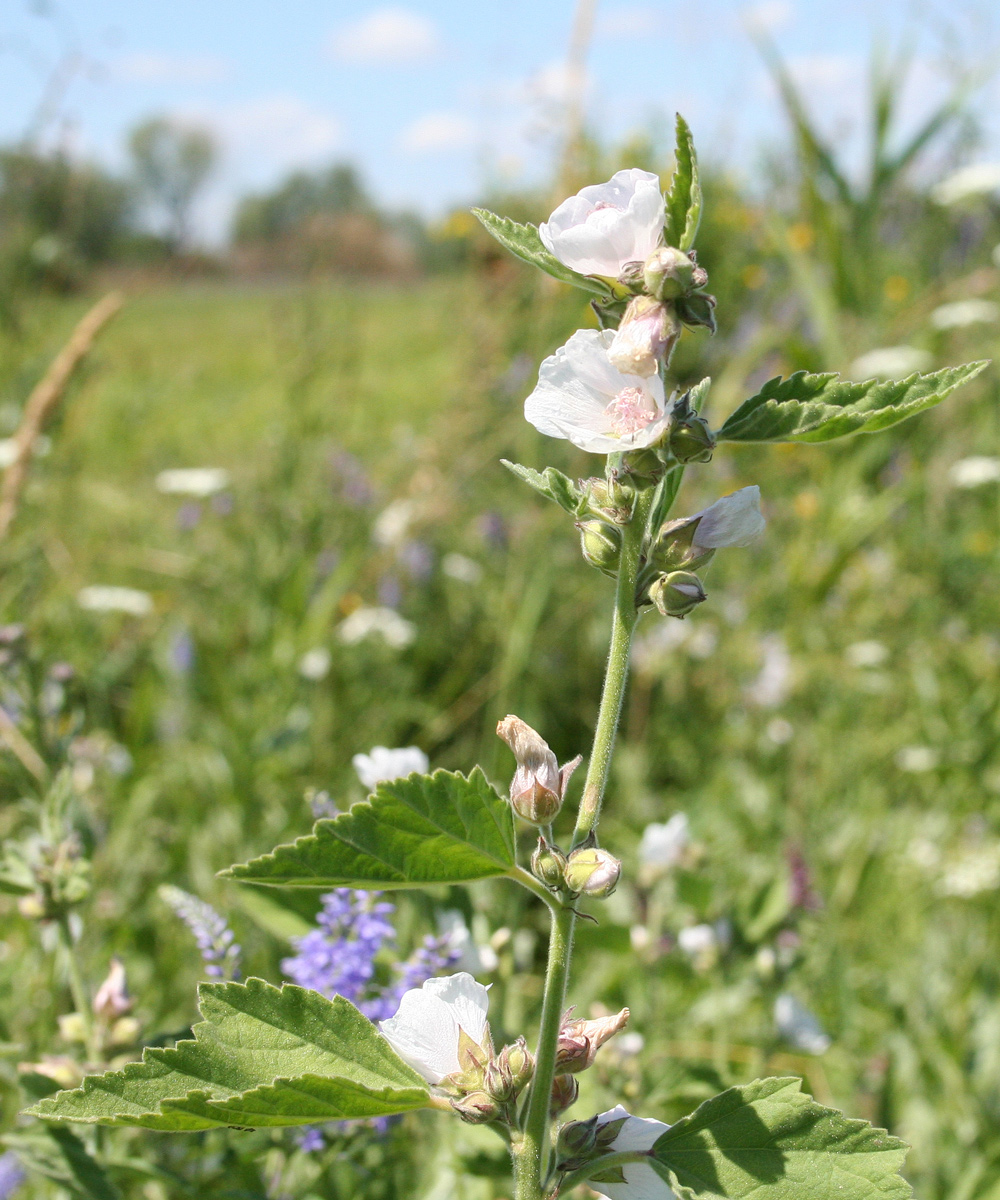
x,y
592,871
646,336
579,1041
539,785
677,593
565,1090
112,999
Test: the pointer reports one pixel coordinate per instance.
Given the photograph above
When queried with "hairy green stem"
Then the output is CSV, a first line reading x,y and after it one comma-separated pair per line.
x,y
531,1151
616,674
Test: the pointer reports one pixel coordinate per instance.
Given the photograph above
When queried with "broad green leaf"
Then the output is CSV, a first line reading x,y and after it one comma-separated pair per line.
x,y
552,484
262,1056
816,408
524,242
769,1139
424,829
59,1155
683,214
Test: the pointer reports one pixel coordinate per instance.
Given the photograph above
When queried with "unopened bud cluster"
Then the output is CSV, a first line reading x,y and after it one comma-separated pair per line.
x,y
489,1085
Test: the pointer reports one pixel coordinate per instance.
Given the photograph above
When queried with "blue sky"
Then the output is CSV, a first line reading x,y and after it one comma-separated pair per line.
x,y
432,98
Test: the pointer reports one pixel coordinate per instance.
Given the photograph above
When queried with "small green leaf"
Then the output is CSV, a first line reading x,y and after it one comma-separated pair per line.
x,y
683,214
424,829
816,408
552,484
769,1139
263,1056
59,1155
524,242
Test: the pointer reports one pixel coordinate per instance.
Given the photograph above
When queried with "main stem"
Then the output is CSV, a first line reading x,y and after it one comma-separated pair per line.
x,y
532,1150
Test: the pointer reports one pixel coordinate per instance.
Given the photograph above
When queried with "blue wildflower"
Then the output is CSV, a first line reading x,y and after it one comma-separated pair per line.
x,y
11,1175
219,951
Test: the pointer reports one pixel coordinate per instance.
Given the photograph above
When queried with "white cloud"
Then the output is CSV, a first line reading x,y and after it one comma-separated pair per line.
x,y
769,16
437,132
279,130
387,35
152,67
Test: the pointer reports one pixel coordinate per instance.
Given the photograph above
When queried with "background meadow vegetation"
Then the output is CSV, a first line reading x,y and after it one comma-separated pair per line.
x,y
828,720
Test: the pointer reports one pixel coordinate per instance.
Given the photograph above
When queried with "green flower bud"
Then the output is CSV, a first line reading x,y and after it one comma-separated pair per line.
x,y
548,863
677,593
697,309
691,439
592,871
476,1108
607,500
668,273
601,545
508,1073
577,1138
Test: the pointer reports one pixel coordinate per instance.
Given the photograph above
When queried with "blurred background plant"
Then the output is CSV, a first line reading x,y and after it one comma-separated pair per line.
x,y
268,530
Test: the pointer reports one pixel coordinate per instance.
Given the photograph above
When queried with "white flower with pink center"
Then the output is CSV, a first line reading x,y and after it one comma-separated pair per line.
x,y
582,397
606,225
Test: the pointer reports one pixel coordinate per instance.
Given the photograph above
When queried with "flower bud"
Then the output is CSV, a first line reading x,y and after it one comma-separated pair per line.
x,y
669,273
548,864
476,1108
112,999
607,500
579,1041
697,309
565,1090
507,1074
646,336
577,1138
601,545
72,1027
592,871
536,790
520,1061
677,593
691,439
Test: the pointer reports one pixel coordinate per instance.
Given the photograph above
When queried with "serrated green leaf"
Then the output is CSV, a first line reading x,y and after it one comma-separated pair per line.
x,y
550,483
59,1155
683,211
769,1139
524,242
816,408
424,829
263,1056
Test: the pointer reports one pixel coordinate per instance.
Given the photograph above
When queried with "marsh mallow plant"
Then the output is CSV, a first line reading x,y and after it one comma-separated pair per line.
x,y
270,1056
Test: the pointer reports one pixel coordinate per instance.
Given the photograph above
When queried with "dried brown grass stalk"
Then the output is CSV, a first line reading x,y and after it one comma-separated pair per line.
x,y
45,397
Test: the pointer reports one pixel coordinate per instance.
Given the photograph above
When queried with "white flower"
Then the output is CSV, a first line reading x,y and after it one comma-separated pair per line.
x,y
977,180
735,520
664,845
193,481
606,225
427,1026
796,1024
315,663
866,654
965,312
974,471
383,764
890,362
465,570
582,397
641,1180
103,598
393,523
917,759
386,623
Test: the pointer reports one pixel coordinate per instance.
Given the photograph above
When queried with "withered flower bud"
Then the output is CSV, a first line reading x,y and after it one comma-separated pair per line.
x,y
579,1041
539,784
565,1089
112,999
646,337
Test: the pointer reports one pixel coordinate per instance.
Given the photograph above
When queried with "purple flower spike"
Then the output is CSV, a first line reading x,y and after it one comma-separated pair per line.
x,y
219,951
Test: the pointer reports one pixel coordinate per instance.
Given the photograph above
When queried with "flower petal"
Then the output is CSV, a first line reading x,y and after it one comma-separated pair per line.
x,y
735,520
468,1000
607,225
424,1033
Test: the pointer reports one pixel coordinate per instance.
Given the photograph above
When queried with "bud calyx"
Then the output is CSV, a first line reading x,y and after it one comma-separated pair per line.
x,y
539,784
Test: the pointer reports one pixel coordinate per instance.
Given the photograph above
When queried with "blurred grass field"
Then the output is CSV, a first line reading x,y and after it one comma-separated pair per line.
x,y
829,720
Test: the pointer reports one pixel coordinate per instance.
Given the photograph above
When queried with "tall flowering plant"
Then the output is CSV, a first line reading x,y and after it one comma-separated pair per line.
x,y
269,1056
